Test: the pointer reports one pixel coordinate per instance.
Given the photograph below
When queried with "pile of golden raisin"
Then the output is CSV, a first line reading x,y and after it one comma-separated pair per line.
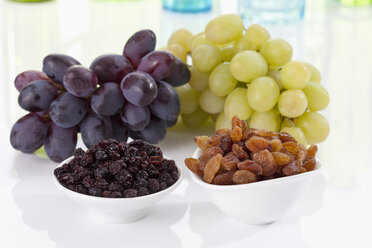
x,y
243,155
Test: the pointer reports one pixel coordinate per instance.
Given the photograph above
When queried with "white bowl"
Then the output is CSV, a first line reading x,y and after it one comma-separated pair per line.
x,y
261,202
117,210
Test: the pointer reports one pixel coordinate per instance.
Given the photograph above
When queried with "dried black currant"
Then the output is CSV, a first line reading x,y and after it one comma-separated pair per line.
x,y
118,170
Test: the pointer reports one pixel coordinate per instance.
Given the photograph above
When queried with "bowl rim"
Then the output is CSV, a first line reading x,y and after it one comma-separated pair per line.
x,y
200,181
132,199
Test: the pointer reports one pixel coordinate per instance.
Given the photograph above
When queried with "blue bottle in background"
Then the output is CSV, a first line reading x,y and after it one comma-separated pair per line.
x,y
271,11
187,6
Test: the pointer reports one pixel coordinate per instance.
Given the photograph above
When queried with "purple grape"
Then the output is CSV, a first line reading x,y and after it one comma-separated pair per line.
x,y
95,128
167,105
28,133
55,66
153,133
135,117
139,88
60,142
37,95
107,100
42,113
80,81
119,131
172,123
111,68
180,74
27,77
67,110
158,64
138,45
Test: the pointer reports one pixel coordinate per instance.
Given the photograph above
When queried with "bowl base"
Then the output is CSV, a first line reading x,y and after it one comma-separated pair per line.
x,y
261,223
251,221
119,217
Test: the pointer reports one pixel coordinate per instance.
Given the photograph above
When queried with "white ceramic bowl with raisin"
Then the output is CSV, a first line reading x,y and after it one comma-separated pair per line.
x,y
118,210
261,202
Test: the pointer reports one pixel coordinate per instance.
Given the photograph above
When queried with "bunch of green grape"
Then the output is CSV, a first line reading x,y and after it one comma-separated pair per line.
x,y
245,72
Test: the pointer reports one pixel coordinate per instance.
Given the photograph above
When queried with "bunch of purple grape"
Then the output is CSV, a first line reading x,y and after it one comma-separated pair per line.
x,y
117,97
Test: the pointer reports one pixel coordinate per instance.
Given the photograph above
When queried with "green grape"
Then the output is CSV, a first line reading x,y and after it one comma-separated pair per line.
x,y
195,119
41,153
224,28
181,37
222,122
243,44
221,82
189,99
314,125
189,43
317,96
256,34
297,133
237,104
211,103
228,52
247,66
200,40
214,117
263,93
286,123
315,73
198,80
292,103
178,51
206,57
274,74
269,120
241,85
294,75
277,52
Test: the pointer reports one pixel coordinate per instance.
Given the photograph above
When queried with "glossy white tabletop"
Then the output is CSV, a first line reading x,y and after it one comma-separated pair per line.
x,y
336,210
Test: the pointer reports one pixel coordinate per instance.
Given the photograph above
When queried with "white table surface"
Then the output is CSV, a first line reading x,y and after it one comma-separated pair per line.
x,y
336,210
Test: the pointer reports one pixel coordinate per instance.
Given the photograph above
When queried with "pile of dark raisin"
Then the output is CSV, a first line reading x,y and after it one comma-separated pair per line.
x,y
118,170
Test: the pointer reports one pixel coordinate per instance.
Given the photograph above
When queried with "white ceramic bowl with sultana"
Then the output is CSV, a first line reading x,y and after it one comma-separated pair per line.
x,y
260,202
117,210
